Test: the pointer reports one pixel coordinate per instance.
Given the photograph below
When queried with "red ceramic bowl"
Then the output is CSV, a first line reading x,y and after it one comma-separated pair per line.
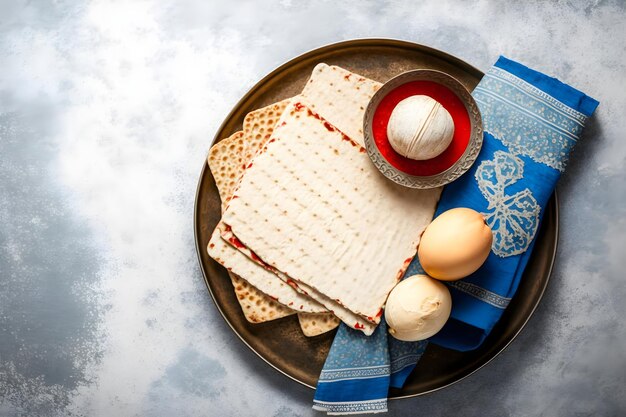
x,y
446,167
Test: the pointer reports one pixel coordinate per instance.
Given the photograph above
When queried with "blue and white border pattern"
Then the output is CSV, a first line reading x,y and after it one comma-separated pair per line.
x,y
527,120
333,375
482,294
351,407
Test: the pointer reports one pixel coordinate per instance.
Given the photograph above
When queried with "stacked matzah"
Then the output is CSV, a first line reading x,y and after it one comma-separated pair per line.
x,y
261,299
313,212
225,161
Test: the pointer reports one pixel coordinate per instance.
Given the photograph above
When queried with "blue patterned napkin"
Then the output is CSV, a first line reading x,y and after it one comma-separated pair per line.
x,y
531,123
359,370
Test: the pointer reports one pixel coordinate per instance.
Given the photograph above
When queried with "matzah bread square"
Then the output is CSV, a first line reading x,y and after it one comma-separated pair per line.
x,y
227,158
313,206
261,300
334,306
225,161
340,97
259,277
316,324
256,306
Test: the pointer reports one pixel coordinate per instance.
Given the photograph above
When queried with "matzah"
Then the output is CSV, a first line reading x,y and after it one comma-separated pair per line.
x,y
340,97
314,207
238,263
227,160
316,324
345,315
256,306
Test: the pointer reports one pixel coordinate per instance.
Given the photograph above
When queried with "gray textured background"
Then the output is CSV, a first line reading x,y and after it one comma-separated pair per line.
x,y
106,113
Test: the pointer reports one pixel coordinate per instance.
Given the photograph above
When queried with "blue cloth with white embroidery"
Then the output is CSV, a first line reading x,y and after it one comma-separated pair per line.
x,y
360,369
531,122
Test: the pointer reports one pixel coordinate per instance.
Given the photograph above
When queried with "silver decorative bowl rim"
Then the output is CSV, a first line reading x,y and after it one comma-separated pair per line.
x,y
461,166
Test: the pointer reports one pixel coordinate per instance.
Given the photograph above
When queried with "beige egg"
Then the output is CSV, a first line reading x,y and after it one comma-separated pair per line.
x,y
420,128
455,244
417,308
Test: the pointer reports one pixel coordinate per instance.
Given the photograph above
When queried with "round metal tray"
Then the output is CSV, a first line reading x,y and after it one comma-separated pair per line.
x,y
281,343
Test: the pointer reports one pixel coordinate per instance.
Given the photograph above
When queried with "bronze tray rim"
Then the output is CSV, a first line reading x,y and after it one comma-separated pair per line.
x,y
369,42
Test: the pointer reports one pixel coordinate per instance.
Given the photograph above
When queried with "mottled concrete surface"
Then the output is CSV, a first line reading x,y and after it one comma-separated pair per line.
x,y
106,112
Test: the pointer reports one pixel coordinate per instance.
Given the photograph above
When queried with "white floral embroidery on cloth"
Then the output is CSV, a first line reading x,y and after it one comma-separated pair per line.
x,y
513,218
